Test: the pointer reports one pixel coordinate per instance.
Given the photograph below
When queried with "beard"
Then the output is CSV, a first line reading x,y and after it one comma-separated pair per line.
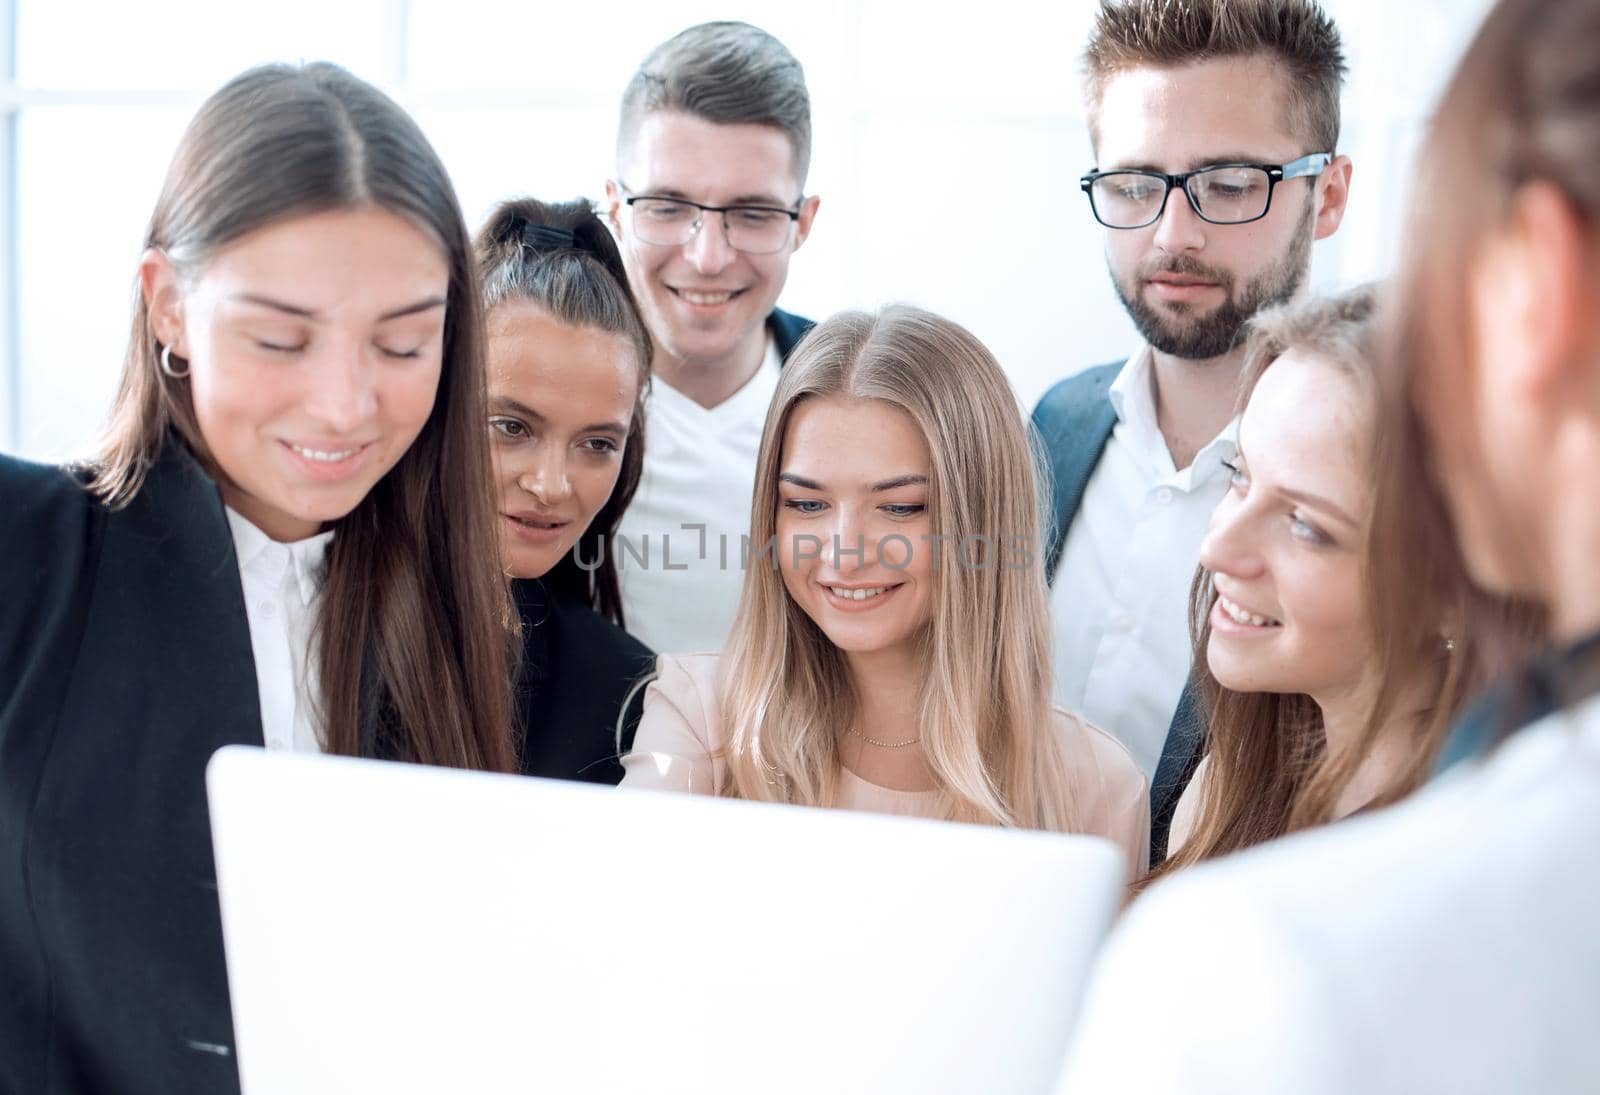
x,y
1179,330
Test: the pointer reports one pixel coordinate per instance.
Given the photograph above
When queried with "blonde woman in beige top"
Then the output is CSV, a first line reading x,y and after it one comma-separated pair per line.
x,y
891,650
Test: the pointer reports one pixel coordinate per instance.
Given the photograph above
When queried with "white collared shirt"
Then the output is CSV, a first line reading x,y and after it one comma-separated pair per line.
x,y
1119,605
680,587
281,584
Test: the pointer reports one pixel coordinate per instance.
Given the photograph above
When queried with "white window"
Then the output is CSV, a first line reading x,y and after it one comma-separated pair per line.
x,y
947,144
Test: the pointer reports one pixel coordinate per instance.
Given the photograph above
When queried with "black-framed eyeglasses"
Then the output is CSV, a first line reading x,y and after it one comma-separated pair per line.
x,y
673,222
1224,193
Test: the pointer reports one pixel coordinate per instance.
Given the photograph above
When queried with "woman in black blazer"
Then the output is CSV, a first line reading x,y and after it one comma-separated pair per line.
x,y
569,363
286,539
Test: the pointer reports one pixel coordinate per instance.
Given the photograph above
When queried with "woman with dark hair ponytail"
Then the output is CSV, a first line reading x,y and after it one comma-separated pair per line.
x,y
569,364
286,540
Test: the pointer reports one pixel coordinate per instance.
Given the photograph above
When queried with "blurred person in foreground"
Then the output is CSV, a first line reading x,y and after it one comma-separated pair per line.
x,y
1447,944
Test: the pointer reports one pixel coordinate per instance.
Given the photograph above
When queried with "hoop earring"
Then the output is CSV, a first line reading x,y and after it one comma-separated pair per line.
x,y
166,364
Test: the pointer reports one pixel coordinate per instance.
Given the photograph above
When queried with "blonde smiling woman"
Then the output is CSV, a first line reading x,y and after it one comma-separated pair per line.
x,y
891,650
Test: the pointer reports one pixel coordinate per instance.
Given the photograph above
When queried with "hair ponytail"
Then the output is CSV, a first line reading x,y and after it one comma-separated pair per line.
x,y
562,258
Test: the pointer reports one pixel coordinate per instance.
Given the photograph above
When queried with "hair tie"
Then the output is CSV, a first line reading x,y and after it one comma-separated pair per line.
x,y
544,237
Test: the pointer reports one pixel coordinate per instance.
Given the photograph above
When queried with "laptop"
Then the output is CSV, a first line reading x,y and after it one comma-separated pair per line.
x,y
408,930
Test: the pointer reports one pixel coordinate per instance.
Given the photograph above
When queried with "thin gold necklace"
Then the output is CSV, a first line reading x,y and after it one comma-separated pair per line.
x,y
883,744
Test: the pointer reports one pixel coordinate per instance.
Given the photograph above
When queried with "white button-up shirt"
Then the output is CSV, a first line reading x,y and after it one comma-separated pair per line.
x,y
281,584
1119,605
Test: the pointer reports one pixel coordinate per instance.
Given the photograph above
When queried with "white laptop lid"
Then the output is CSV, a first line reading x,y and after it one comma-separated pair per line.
x,y
403,929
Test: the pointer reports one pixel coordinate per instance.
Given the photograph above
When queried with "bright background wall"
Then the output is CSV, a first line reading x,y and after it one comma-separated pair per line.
x,y
949,140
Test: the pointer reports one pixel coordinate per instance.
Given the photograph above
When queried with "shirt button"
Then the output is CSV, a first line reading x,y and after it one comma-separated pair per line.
x,y
266,608
1122,621
1164,495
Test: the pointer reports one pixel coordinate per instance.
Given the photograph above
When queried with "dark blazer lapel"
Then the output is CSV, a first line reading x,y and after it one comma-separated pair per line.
x,y
1074,420
1180,756
787,331
122,850
168,573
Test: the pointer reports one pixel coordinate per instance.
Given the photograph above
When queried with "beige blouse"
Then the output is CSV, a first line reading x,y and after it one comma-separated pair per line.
x,y
680,742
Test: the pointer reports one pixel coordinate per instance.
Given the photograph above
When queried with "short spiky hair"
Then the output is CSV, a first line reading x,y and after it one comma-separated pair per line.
x,y
728,73
1297,34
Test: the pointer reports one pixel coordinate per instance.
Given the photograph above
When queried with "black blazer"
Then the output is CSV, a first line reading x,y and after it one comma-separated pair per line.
x,y
787,331
578,670
125,662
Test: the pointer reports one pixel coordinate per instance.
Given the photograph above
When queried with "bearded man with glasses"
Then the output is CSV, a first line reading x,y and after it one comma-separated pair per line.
x,y
708,205
1214,126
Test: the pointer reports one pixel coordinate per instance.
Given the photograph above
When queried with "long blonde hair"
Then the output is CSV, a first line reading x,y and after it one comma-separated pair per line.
x,y
985,717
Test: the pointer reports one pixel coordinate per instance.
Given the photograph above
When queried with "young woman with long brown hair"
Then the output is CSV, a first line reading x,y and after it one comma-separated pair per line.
x,y
569,364
287,539
891,650
1331,651
1446,943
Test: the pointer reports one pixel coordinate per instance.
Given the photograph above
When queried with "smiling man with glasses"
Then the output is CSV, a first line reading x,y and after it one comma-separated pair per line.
x,y
709,203
1214,125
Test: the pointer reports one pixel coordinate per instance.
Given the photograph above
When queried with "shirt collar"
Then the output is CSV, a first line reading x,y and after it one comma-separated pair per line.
x,y
1131,395
1133,398
261,555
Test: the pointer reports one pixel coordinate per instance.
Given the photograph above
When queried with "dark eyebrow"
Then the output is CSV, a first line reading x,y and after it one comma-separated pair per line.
x,y
506,403
743,199
1236,157
412,309
307,313
763,199
912,480
275,305
888,484
1193,165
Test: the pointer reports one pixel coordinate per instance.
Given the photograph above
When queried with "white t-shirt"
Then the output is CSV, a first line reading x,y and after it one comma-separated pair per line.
x,y
1449,944
1119,603
281,586
681,586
